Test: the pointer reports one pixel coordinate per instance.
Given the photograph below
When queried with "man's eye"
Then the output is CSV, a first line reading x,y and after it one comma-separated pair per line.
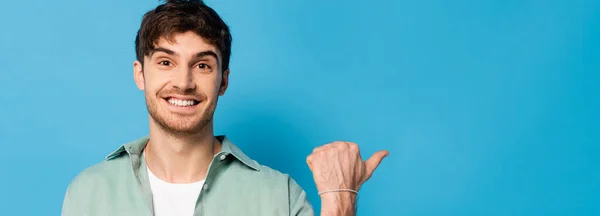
x,y
203,66
165,63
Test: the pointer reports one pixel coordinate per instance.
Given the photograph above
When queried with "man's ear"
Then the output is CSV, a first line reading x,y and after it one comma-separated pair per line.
x,y
224,82
138,74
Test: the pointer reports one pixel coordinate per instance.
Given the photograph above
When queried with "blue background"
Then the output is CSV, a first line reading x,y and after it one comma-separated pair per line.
x,y
487,107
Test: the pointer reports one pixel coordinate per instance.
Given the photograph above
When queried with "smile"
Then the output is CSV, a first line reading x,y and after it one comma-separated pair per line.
x,y
182,103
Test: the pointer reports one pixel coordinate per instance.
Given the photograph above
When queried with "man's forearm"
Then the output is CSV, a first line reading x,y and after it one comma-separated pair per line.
x,y
338,204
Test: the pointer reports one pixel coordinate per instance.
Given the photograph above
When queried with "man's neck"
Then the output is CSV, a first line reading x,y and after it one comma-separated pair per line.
x,y
178,159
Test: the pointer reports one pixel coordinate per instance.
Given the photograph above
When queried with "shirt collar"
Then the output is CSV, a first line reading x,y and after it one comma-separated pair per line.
x,y
227,147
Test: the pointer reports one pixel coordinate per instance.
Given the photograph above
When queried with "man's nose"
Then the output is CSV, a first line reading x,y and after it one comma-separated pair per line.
x,y
183,79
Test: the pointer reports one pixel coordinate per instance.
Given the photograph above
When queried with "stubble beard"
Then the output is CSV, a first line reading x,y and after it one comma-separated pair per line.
x,y
176,125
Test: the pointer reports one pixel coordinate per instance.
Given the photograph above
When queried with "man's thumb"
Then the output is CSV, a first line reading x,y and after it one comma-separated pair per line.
x,y
372,163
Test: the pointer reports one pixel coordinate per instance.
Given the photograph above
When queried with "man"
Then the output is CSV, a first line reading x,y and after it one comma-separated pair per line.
x,y
181,168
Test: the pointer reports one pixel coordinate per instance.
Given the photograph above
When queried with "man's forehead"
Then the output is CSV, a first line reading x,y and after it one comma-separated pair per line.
x,y
184,42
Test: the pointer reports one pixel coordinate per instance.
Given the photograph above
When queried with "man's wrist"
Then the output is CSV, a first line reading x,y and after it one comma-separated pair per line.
x,y
338,204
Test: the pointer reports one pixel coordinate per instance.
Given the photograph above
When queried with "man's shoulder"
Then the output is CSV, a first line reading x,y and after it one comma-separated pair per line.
x,y
109,170
266,178
269,172
103,183
271,179
103,171
254,174
293,187
246,167
259,171
114,165
263,182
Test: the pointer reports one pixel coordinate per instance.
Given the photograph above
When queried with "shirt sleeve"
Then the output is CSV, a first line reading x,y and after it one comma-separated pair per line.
x,y
299,205
69,207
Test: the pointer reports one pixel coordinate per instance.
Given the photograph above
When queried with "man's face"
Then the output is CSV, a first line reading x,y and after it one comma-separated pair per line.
x,y
182,81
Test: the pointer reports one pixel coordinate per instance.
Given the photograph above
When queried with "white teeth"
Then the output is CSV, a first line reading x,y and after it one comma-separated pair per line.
x,y
178,102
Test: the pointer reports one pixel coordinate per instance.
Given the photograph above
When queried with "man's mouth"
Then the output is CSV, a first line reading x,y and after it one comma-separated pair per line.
x,y
182,103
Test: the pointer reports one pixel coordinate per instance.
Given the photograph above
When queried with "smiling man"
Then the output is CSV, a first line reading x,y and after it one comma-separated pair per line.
x,y
181,167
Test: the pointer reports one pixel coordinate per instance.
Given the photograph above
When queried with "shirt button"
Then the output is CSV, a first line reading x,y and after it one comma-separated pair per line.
x,y
222,157
205,187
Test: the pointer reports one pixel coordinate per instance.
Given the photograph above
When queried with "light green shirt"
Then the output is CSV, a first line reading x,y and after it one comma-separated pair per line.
x,y
234,185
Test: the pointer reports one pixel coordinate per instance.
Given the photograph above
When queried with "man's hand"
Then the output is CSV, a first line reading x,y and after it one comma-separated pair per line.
x,y
338,165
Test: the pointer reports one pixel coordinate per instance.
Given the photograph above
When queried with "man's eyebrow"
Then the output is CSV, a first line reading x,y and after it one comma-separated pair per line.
x,y
207,53
197,55
162,49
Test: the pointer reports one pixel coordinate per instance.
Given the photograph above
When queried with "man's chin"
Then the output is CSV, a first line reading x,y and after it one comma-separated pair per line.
x,y
183,130
181,126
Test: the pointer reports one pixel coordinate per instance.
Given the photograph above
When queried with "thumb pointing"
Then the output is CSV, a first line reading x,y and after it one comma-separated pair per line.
x,y
372,163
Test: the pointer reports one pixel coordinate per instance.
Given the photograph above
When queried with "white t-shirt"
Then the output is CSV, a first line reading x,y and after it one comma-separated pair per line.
x,y
173,199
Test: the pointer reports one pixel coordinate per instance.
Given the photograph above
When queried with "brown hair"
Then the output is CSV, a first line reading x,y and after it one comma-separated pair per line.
x,y
179,16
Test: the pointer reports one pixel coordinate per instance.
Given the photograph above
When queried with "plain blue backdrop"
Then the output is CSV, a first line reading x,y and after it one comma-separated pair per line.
x,y
487,107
